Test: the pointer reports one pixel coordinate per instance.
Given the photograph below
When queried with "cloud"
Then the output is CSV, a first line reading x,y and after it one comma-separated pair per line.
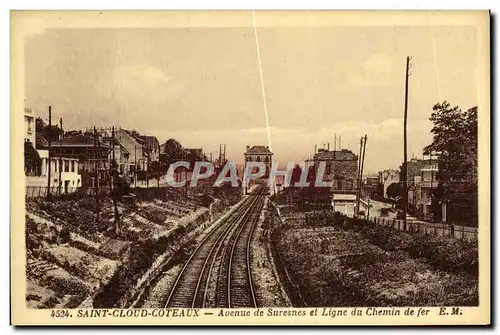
x,y
378,71
147,83
384,145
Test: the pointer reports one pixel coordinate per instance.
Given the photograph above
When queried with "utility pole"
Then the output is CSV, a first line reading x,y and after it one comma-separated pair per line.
x,y
335,143
220,154
224,160
147,172
115,193
135,165
340,142
368,214
405,163
96,182
60,158
356,210
362,168
50,155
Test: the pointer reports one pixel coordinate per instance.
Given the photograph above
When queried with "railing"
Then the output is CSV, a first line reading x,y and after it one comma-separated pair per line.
x,y
41,191
429,228
413,226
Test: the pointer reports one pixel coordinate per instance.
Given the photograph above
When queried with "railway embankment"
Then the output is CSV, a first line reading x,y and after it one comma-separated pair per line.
x,y
339,261
74,257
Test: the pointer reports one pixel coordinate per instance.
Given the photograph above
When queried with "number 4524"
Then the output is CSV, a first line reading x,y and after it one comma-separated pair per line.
x,y
60,313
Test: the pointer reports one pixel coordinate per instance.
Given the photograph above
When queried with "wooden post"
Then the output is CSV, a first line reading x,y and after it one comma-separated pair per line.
x,y
356,208
96,183
405,163
60,158
114,190
50,155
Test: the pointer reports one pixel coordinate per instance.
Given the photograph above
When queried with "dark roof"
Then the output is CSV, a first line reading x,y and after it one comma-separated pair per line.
x,y
80,140
116,142
337,155
150,141
258,149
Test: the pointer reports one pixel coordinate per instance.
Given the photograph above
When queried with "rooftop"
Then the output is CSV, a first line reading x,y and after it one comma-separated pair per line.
x,y
258,149
335,155
80,140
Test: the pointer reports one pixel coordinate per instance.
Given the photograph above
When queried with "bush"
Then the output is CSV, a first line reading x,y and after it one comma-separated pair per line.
x,y
65,285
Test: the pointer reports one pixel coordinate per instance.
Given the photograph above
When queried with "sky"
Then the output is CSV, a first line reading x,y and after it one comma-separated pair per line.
x,y
203,85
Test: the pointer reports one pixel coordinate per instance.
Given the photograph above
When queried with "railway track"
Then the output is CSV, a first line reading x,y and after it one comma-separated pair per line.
x,y
240,290
191,286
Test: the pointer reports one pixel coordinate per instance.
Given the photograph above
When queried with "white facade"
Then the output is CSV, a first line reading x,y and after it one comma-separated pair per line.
x,y
29,125
69,180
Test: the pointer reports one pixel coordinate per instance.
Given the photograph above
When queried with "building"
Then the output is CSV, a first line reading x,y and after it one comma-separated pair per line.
x,y
259,153
387,178
372,186
425,184
90,154
29,125
125,165
342,170
152,145
64,172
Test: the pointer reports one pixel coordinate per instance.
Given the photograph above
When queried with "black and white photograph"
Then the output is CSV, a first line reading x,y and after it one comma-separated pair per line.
x,y
274,161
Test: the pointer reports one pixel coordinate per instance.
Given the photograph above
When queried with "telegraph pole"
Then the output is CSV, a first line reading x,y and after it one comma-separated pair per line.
x,y
356,210
115,193
50,155
60,158
135,165
405,163
96,182
362,168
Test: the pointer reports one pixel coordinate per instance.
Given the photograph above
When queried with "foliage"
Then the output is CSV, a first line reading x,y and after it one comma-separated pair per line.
x,y
157,169
173,151
395,190
31,157
51,133
331,267
455,139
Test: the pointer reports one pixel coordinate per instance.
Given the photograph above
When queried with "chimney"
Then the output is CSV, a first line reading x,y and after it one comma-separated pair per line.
x,y
248,147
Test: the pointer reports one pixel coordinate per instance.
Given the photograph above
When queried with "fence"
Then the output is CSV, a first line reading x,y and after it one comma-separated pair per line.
x,y
429,228
41,191
413,226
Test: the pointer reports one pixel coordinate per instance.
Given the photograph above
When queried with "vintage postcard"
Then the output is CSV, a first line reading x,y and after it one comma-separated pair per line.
x,y
250,168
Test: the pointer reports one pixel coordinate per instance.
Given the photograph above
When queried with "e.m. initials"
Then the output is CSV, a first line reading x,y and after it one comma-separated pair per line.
x,y
454,311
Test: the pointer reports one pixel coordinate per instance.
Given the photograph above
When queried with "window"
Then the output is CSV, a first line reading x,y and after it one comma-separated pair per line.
x,y
328,168
258,158
66,166
73,166
267,159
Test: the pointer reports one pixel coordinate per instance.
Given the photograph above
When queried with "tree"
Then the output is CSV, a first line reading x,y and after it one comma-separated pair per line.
x,y
395,190
51,133
157,170
173,151
296,173
455,140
